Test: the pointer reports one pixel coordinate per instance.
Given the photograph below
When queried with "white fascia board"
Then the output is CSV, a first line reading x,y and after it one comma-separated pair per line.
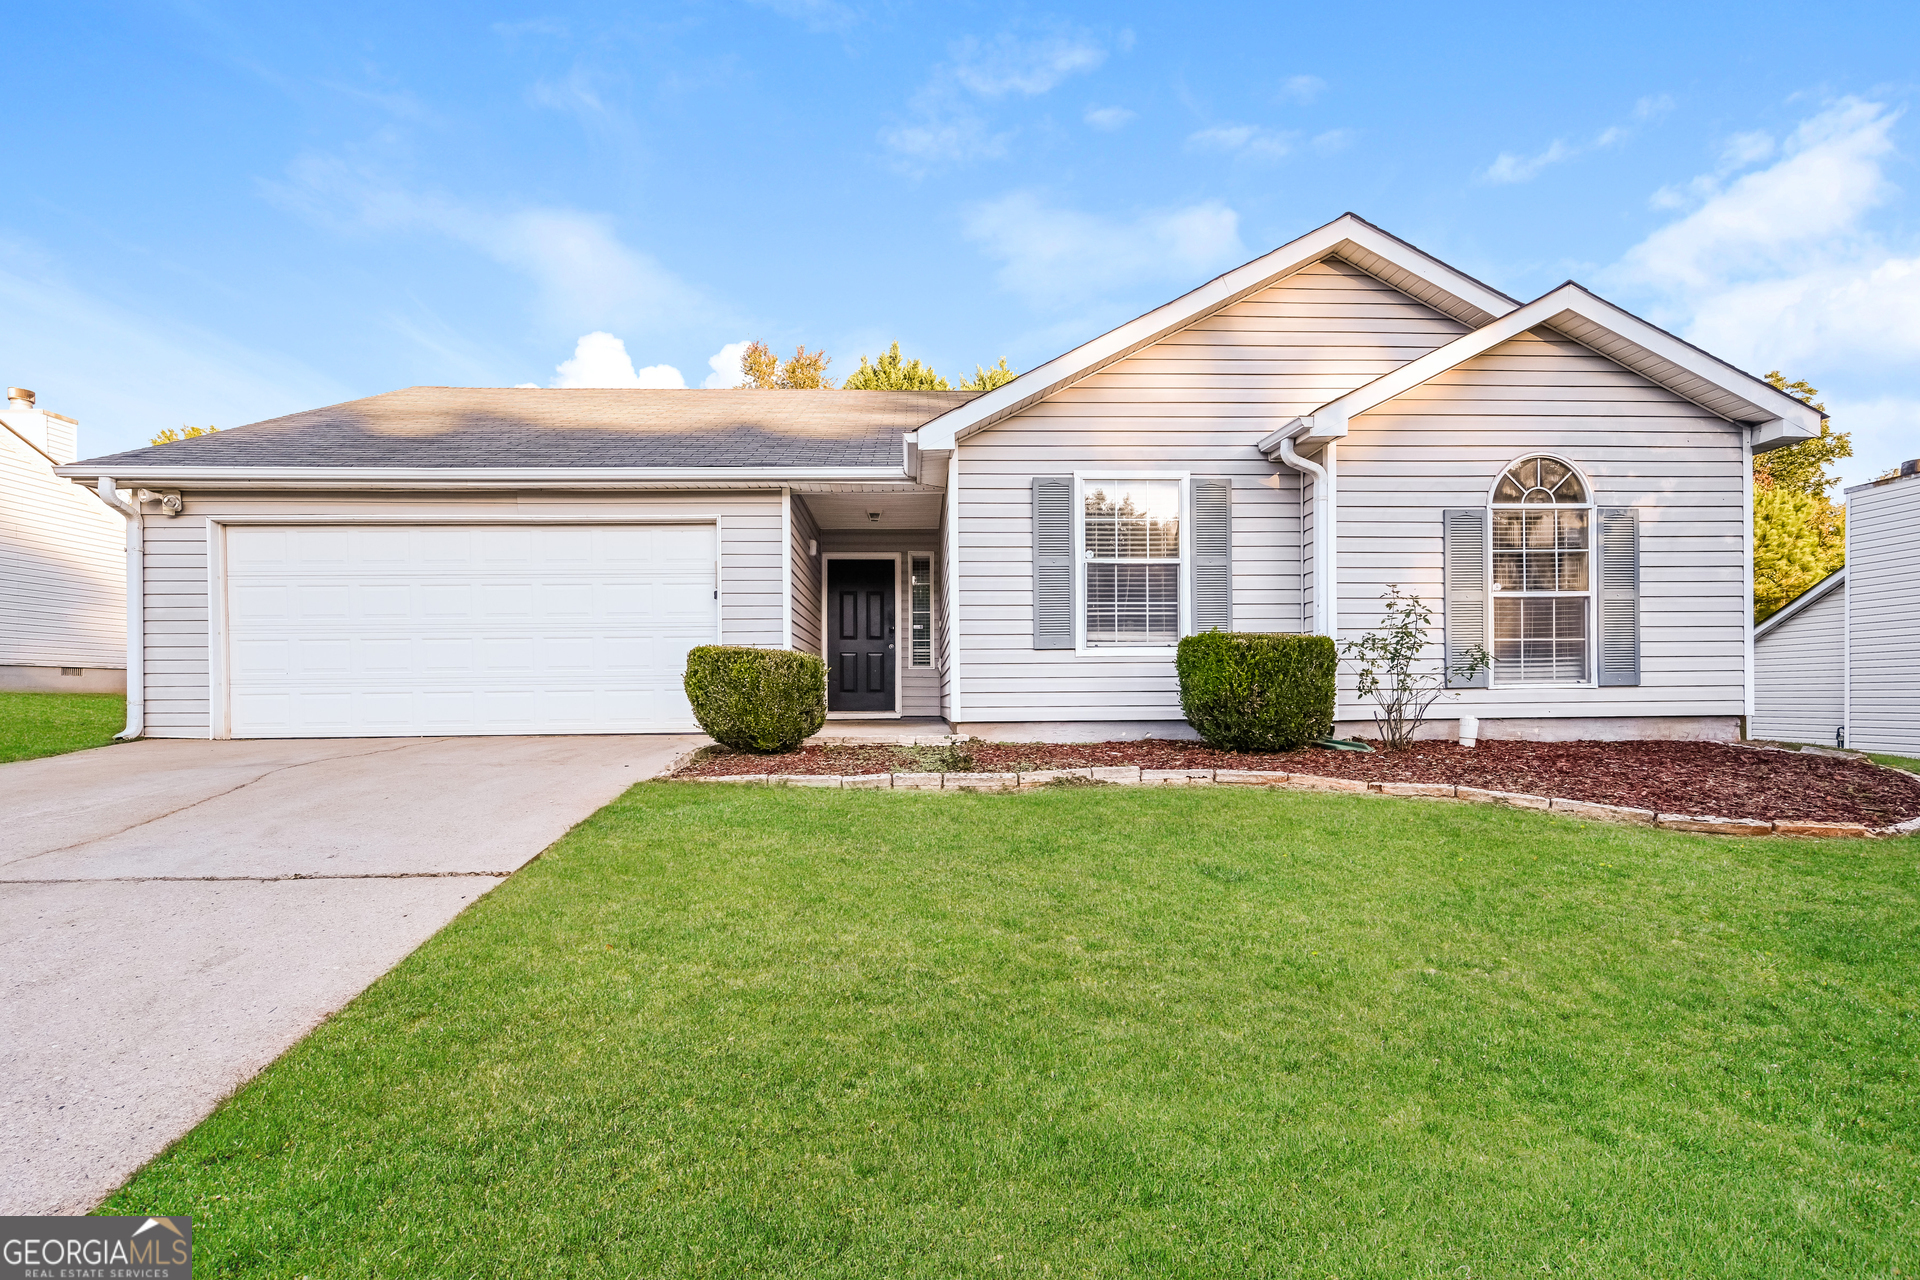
x,y
481,477
1062,371
1820,589
1771,411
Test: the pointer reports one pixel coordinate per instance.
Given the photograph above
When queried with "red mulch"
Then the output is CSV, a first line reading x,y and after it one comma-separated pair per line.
x,y
1668,777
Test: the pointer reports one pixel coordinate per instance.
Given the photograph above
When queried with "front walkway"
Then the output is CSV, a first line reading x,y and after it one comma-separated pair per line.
x,y
175,914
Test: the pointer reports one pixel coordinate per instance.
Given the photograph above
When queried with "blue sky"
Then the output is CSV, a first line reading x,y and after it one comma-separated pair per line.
x,y
217,214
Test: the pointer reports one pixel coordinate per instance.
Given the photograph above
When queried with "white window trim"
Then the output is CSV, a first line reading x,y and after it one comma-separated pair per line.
x,y
1080,645
933,611
1493,592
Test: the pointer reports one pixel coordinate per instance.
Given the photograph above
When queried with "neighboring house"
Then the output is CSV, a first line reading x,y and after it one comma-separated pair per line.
x,y
1841,663
1799,668
1566,484
63,563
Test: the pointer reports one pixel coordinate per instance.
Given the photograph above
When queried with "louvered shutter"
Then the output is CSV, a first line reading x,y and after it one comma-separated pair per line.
x,y
1212,555
1464,606
1053,562
1617,546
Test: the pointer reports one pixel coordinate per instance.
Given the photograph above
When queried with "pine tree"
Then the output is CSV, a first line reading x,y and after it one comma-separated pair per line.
x,y
988,379
891,373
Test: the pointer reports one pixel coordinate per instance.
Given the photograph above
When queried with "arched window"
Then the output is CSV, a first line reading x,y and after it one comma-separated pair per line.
x,y
1541,605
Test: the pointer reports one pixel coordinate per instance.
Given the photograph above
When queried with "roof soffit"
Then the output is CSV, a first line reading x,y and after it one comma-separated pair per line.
x,y
1385,257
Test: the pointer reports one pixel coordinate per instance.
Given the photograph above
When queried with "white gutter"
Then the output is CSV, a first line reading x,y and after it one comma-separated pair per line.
x,y
1326,514
136,609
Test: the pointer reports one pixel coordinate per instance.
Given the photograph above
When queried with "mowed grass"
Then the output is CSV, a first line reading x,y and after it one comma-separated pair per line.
x,y
1896,762
50,724
736,1030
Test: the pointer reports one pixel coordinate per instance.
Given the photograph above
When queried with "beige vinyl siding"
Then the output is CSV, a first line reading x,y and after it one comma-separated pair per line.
x,y
1683,469
63,567
1194,402
752,568
922,690
1799,676
806,579
1883,625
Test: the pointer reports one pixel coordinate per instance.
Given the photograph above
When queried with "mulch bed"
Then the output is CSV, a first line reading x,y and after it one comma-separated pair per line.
x,y
1667,777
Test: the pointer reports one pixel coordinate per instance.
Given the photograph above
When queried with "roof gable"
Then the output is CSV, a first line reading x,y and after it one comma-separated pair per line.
x,y
1776,418
1386,257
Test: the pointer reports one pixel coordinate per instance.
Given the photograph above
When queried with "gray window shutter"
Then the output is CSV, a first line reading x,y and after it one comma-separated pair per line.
x,y
1463,609
1053,562
1617,544
1212,555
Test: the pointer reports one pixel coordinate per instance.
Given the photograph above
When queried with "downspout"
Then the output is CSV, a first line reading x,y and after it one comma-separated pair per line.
x,y
1325,513
136,610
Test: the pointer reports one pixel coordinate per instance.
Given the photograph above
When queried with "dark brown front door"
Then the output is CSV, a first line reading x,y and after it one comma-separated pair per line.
x,y
860,655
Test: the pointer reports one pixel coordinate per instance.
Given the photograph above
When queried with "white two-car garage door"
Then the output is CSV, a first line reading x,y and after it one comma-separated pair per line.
x,y
392,630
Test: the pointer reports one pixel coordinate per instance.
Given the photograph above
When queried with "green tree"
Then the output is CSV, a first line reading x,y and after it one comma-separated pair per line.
x,y
891,373
988,379
802,371
1799,534
184,433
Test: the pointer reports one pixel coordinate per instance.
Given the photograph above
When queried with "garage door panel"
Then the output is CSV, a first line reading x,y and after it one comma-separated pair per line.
x,y
437,630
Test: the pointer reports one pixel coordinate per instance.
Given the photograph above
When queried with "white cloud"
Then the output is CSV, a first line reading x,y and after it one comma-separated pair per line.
x,y
1009,64
947,121
1302,88
725,364
1246,140
1509,167
1108,118
1054,257
601,360
1783,267
1333,140
1653,106
583,272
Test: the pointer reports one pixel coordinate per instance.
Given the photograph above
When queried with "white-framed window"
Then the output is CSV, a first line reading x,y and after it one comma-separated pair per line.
x,y
1129,531
1540,523
920,611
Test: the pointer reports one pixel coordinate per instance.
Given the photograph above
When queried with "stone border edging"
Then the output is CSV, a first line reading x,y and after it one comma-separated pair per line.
x,y
1132,775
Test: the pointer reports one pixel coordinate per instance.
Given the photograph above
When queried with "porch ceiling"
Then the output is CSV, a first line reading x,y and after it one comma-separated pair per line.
x,y
897,510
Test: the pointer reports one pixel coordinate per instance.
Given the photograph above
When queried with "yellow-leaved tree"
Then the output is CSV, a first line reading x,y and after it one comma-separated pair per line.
x,y
802,371
1799,534
184,433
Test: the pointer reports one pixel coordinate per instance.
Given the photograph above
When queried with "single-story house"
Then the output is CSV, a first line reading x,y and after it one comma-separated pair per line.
x,y
1566,484
1840,665
63,563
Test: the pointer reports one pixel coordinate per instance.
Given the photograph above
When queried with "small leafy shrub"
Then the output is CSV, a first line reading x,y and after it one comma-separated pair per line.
x,y
1246,691
761,700
1385,662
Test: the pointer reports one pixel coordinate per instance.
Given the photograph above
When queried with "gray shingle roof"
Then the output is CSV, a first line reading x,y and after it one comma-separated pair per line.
x,y
514,427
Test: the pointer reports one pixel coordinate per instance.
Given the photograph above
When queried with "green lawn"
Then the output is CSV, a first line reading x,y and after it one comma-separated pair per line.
x,y
51,724
1897,762
725,1031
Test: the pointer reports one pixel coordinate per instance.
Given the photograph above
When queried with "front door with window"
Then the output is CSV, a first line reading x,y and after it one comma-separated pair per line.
x,y
860,639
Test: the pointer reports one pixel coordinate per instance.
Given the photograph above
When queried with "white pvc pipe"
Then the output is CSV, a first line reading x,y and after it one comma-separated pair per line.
x,y
1325,521
136,609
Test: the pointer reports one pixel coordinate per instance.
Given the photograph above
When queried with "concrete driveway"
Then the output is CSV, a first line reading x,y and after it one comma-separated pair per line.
x,y
174,915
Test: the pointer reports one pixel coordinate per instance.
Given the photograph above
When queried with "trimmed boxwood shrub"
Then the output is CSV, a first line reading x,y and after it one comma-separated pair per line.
x,y
756,699
1247,691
